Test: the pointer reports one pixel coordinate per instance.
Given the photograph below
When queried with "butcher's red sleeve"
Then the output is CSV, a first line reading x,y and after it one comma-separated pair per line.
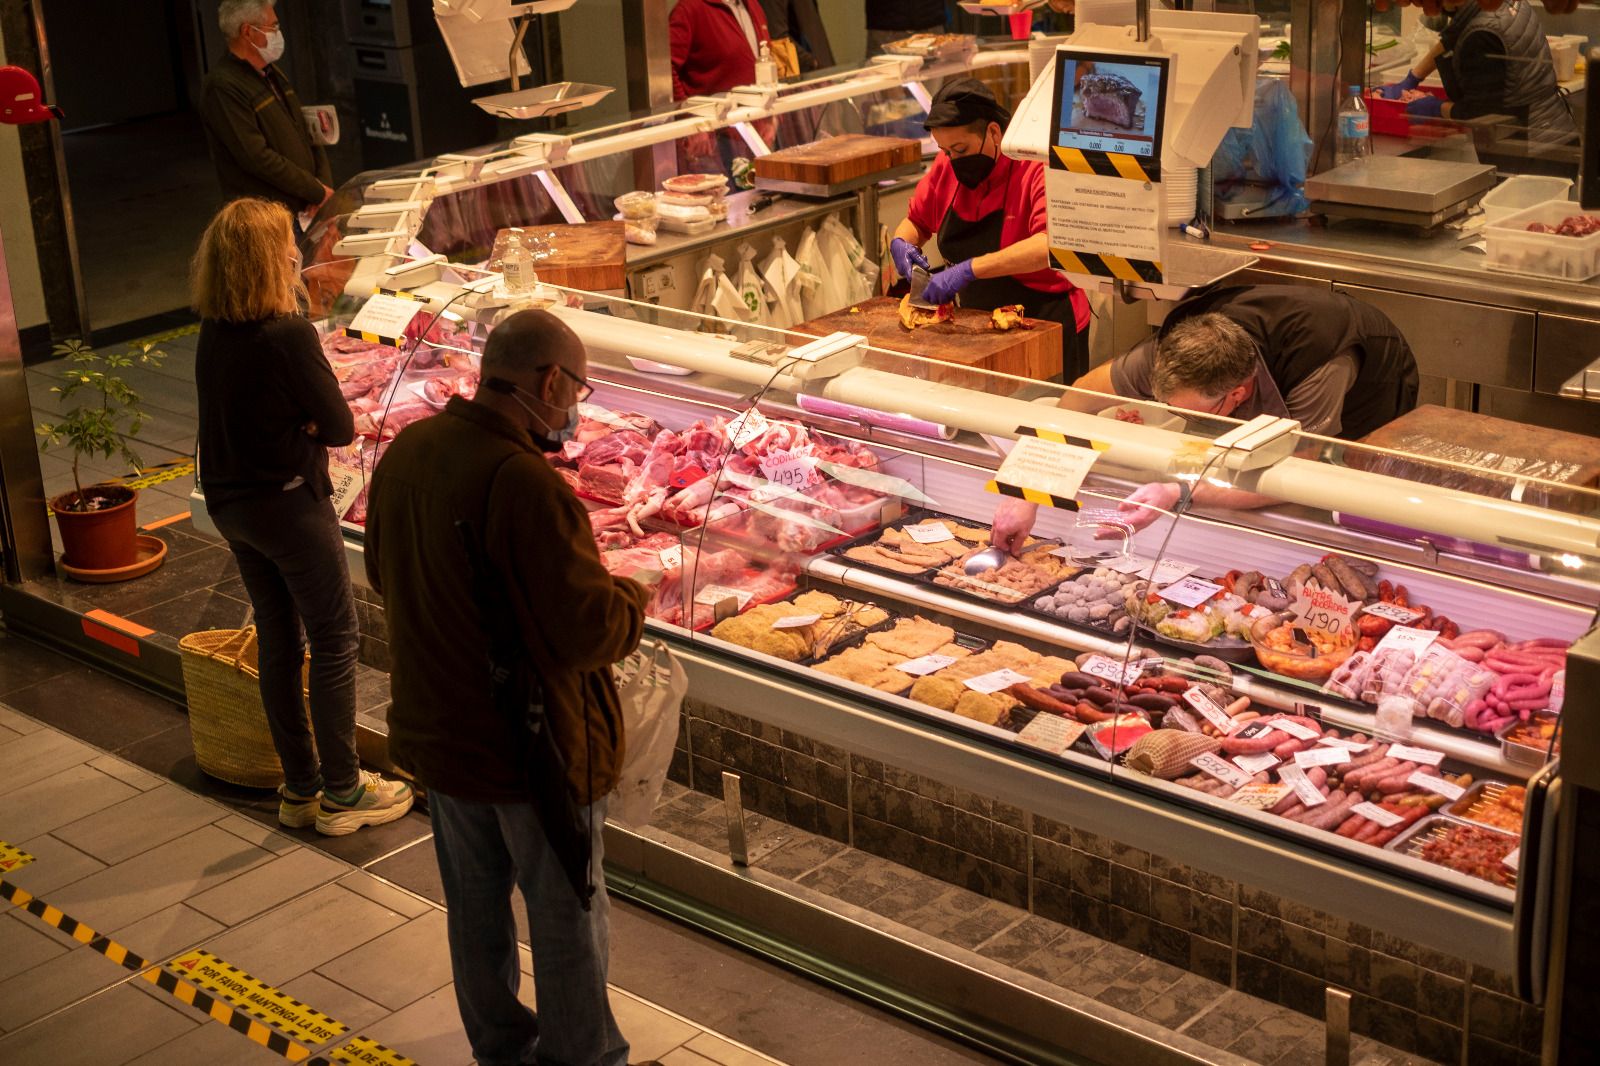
x,y
1038,204
682,36
927,204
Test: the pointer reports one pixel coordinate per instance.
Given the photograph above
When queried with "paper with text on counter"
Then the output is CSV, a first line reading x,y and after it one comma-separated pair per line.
x,y
1046,467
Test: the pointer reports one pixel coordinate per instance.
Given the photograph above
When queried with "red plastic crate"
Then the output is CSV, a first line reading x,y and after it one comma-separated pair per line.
x,y
1389,117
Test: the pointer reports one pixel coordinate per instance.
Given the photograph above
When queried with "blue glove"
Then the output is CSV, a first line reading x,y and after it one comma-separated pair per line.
x,y
1401,87
906,255
949,281
1426,107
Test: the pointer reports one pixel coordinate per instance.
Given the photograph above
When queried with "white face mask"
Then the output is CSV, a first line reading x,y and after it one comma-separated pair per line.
x,y
272,51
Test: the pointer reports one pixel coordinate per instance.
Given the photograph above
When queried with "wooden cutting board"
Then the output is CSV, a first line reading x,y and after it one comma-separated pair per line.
x,y
591,256
838,159
966,342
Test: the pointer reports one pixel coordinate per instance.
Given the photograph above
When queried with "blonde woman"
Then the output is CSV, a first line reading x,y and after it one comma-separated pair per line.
x,y
269,409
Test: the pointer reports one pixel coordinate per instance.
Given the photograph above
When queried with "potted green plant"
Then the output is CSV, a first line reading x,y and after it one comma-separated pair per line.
x,y
97,523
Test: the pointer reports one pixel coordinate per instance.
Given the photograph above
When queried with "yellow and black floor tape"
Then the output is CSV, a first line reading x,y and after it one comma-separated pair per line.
x,y
69,925
257,998
218,1011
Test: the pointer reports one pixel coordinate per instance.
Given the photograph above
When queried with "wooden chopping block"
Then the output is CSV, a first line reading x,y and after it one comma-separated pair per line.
x,y
591,255
965,342
836,160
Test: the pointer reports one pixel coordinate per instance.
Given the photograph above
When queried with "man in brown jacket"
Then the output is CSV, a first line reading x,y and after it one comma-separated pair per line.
x,y
480,463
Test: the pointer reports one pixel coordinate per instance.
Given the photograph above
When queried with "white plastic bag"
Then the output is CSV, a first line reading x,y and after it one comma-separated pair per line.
x,y
861,279
782,275
716,295
752,288
809,280
651,684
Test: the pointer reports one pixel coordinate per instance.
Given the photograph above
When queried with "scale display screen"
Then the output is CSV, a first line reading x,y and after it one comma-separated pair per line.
x,y
1106,102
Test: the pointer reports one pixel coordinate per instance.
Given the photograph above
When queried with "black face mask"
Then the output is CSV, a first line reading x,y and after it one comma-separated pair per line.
x,y
974,169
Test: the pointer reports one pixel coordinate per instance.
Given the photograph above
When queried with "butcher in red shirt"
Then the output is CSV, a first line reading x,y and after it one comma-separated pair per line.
x,y
988,211
715,44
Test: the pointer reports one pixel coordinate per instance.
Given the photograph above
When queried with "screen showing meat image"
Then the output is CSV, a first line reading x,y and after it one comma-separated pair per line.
x,y
1109,104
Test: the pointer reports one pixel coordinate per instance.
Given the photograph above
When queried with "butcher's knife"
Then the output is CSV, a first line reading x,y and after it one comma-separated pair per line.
x,y
919,281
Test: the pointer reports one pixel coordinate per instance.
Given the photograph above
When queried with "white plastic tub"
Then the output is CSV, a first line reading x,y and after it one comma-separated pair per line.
x,y
1520,193
1512,248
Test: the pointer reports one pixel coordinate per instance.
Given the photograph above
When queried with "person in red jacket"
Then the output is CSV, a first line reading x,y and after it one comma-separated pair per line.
x,y
715,44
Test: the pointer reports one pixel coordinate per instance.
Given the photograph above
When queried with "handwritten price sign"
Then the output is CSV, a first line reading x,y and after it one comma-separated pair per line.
x,y
1317,608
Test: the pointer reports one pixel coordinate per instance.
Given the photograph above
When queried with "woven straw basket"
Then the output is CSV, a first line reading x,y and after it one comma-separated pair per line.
x,y
231,739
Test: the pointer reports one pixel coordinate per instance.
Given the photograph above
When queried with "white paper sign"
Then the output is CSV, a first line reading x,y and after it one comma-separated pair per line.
x,y
1208,709
672,557
1259,795
1393,612
790,471
746,428
712,595
1320,756
1304,790
1374,813
1169,570
1298,730
1512,858
1254,764
1131,565
386,316
927,664
1190,592
1347,745
995,680
929,532
1404,638
796,621
1406,753
1220,769
1108,670
347,485
1447,789
1103,215
1050,732
1046,466
1317,608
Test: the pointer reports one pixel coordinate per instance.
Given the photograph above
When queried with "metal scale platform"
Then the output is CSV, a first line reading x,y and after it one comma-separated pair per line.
x,y
1399,189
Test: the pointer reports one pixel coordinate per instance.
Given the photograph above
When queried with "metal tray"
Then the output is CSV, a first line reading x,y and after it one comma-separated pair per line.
x,y
1234,652
1522,754
1479,795
871,537
1410,842
557,98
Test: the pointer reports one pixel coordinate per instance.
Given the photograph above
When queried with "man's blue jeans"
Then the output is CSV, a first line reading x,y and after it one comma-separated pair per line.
x,y
485,848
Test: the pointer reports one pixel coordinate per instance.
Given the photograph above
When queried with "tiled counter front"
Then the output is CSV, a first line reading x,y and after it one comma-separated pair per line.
x,y
1406,996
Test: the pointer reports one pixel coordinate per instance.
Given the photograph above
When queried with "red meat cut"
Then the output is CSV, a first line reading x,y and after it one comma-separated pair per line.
x,y
1110,97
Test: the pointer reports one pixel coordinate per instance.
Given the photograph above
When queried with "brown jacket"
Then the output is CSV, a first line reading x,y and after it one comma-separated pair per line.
x,y
470,463
258,138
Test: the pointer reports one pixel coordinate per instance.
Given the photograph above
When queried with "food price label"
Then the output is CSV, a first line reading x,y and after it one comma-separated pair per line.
x,y
1404,638
1190,591
1220,769
746,428
1254,730
385,316
1374,813
929,532
995,680
347,485
789,470
712,595
1304,790
672,557
1131,565
1254,764
1259,795
1393,612
1275,586
1406,753
1109,670
1170,570
1052,733
1447,789
796,621
1347,745
1512,858
926,664
1317,608
685,476
1321,757
1208,709
1295,729
1051,467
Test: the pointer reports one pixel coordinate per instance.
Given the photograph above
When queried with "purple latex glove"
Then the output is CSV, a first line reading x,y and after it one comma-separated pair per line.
x,y
949,281
1401,87
906,255
1426,107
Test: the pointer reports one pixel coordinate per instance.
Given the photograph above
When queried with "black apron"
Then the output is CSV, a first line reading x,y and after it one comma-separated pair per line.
x,y
960,240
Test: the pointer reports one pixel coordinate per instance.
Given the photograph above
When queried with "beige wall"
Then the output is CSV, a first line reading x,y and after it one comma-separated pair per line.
x,y
846,22
27,292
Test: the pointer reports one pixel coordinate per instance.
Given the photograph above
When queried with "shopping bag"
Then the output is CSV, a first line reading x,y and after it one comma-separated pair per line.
x,y
651,684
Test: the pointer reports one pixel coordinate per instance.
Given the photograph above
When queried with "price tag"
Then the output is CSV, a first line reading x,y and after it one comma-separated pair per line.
x,y
1221,769
1298,730
1052,733
347,485
796,621
1169,570
1406,753
929,532
1513,857
1208,709
1254,730
385,316
1254,764
1393,612
790,471
1131,565
1260,796
1447,789
1304,790
995,680
1374,813
1190,591
672,557
1404,638
1317,608
1321,757
712,595
1046,466
746,428
1107,670
1274,586
926,664
1347,745
684,476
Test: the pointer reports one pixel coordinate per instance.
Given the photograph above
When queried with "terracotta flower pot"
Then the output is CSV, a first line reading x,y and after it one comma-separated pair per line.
x,y
101,539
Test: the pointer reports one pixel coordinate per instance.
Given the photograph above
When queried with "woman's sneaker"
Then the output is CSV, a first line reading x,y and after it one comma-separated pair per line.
x,y
374,802
295,811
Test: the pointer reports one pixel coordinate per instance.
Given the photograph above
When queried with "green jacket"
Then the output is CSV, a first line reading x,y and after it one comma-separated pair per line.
x,y
259,143
470,463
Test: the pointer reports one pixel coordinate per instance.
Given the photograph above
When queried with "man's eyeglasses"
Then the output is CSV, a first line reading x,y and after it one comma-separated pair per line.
x,y
585,390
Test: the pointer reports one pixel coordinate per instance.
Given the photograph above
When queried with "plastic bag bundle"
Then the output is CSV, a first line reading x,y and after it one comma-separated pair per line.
x,y
1272,153
716,295
752,288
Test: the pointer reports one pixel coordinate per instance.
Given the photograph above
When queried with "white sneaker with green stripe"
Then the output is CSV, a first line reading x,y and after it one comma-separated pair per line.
x,y
374,802
297,812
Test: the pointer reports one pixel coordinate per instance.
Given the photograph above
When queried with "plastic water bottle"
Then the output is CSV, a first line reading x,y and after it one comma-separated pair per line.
x,y
516,267
1355,133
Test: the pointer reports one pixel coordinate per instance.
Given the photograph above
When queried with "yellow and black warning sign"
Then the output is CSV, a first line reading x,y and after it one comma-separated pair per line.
x,y
69,925
1108,266
257,998
12,857
1046,467
364,1051
383,319
1109,164
220,1012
